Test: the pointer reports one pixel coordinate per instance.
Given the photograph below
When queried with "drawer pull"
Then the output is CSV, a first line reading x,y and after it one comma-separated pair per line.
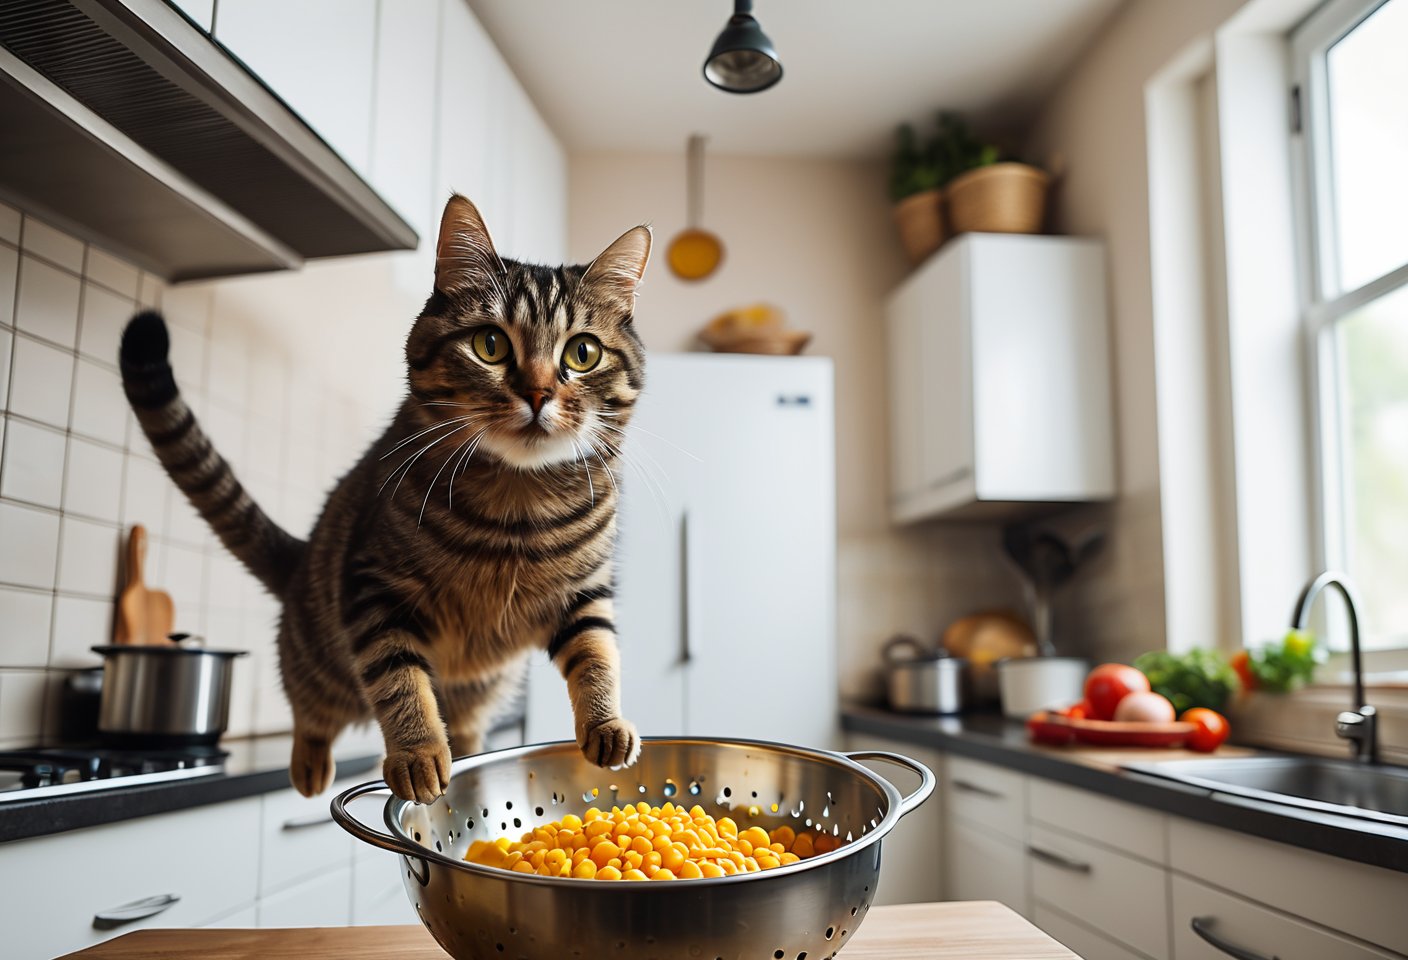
x,y
134,911
1202,926
967,786
302,823
1056,860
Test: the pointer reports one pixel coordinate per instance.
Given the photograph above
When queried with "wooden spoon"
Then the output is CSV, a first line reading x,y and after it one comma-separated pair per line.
x,y
695,253
143,616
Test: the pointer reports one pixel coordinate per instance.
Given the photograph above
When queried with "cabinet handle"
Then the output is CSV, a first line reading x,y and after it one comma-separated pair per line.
x,y
1202,926
1056,860
134,911
685,654
967,786
302,823
794,400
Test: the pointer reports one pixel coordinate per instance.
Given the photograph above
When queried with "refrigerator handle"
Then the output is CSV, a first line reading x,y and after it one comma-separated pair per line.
x,y
685,585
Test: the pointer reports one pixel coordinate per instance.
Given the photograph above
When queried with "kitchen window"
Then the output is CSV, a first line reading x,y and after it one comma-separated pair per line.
x,y
1352,179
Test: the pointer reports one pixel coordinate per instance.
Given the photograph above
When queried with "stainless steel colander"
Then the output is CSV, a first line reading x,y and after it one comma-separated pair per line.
x,y
805,910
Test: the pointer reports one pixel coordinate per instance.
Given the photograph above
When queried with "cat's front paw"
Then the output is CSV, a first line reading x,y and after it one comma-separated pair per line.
x,y
611,743
420,773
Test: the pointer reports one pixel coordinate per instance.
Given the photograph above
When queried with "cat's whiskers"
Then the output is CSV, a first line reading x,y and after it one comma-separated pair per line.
x,y
406,465
436,479
652,484
459,467
417,436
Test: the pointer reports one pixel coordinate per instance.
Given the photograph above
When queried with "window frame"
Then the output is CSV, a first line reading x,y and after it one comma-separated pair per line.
x,y
1324,301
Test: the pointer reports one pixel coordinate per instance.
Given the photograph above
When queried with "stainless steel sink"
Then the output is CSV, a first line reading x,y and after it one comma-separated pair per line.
x,y
1334,786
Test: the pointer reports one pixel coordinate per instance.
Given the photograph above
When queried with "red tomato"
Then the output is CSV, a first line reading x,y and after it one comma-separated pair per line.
x,y
1107,685
1078,711
1212,729
1241,662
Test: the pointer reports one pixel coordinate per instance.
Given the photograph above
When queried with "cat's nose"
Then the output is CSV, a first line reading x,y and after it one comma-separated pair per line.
x,y
536,399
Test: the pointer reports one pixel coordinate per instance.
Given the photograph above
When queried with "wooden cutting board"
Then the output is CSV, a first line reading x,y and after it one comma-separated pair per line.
x,y
921,931
144,616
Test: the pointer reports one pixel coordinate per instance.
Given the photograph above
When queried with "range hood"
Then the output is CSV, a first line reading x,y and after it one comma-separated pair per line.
x,y
124,122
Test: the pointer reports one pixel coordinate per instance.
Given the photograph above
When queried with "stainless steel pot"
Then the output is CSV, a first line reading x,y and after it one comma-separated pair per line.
x,y
922,680
809,908
176,695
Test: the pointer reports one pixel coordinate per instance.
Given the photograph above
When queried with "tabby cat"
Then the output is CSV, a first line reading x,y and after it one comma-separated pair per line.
x,y
478,529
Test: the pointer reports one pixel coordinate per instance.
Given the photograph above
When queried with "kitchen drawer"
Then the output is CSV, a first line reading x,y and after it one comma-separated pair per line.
x,y
300,838
911,864
1126,828
323,901
55,886
244,918
980,865
1125,898
378,896
1360,900
1082,941
984,794
1243,925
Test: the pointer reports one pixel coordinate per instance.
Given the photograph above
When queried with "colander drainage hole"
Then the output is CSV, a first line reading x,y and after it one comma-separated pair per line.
x,y
503,825
802,955
830,932
417,836
776,953
853,911
508,805
517,822
537,811
728,792
438,848
483,811
469,824
499,947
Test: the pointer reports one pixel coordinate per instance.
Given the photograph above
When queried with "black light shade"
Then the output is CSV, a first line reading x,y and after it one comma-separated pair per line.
x,y
743,59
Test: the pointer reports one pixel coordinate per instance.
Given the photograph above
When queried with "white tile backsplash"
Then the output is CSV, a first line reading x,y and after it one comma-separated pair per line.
x,y
185,581
187,356
144,495
9,224
88,558
105,313
111,272
7,341
25,616
41,381
29,543
9,275
34,464
47,303
52,244
93,481
22,703
100,409
79,624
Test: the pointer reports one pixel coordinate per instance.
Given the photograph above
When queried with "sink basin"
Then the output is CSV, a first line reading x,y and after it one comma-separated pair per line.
x,y
1334,786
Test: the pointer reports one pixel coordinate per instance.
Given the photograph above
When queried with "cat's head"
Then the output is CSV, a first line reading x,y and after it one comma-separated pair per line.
x,y
543,362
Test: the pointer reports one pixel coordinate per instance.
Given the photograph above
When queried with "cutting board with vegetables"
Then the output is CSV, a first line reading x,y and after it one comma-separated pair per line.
x,y
144,616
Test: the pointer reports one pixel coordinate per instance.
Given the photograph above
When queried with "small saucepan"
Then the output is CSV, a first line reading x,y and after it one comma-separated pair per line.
x,y
921,679
177,695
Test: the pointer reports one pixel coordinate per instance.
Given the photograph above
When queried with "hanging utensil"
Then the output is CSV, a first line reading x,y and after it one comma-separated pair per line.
x,y
143,616
695,253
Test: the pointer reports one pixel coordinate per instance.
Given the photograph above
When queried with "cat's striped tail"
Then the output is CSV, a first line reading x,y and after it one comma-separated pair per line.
x,y
190,458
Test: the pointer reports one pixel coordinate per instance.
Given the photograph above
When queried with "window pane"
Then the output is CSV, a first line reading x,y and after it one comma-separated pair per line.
x,y
1368,77
1373,344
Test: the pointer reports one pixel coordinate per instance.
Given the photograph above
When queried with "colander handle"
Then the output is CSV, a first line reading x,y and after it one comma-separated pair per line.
x,y
926,776
363,832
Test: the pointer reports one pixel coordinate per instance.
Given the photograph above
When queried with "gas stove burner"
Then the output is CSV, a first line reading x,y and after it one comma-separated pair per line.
x,y
52,771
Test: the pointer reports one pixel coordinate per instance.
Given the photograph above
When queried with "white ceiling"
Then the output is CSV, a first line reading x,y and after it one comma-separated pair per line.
x,y
624,75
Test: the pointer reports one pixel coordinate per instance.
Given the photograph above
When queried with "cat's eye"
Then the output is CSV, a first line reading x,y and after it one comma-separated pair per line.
x,y
490,344
582,353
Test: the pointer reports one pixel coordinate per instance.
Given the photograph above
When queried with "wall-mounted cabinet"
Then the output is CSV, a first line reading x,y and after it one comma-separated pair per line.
x,y
1000,380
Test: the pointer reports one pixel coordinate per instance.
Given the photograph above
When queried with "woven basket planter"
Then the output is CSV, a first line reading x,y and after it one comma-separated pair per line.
x,y
1001,198
921,224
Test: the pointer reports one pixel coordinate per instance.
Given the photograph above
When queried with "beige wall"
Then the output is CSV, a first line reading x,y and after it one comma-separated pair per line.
x,y
814,238
1093,129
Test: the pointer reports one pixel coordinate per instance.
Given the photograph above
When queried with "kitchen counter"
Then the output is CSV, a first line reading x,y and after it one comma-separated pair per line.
x,y
994,739
922,931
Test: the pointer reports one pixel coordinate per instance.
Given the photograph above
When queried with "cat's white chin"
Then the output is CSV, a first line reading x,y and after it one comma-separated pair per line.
x,y
543,450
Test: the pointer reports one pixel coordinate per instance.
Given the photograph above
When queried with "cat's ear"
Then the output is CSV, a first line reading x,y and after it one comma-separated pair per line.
x,y
618,269
464,254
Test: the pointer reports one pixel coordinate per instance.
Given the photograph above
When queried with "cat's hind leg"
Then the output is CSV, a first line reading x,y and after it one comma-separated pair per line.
x,y
321,709
472,704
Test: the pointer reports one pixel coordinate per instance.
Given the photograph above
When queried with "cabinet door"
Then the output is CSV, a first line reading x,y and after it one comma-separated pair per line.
x,y
1237,924
1084,942
759,538
299,839
906,374
378,897
944,353
981,866
324,901
315,54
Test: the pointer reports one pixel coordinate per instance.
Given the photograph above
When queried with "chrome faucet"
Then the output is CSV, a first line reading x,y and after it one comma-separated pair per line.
x,y
1360,725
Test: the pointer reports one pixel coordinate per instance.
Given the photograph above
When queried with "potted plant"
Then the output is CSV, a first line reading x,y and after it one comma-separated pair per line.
x,y
915,179
988,193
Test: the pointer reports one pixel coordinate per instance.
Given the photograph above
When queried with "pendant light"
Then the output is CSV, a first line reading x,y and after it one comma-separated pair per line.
x,y
743,59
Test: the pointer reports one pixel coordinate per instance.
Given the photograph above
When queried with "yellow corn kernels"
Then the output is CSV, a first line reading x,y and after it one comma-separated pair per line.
x,y
641,842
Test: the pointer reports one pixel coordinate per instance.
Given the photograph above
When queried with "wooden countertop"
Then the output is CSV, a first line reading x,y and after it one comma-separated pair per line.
x,y
922,931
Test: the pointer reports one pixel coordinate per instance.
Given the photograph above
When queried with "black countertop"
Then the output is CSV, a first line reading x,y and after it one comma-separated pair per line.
x,y
1004,742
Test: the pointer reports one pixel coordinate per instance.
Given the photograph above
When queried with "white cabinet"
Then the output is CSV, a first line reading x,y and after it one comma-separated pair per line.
x,y
378,897
323,901
1082,941
726,556
1209,924
999,379
911,860
75,889
300,838
985,826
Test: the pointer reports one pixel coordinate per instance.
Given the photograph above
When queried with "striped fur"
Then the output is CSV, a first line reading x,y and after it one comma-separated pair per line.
x,y
478,528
